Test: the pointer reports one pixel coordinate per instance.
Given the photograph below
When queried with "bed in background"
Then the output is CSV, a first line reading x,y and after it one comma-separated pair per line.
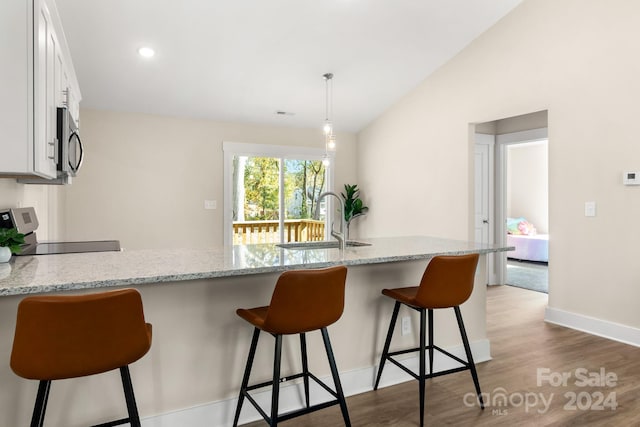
x,y
530,246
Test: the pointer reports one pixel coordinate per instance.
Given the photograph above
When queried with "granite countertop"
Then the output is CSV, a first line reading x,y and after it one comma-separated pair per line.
x,y
55,273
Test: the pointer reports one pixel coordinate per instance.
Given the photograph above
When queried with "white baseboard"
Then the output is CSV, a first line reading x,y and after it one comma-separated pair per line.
x,y
593,326
220,413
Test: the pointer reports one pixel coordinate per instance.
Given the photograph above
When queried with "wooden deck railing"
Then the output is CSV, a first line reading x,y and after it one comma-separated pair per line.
x,y
295,230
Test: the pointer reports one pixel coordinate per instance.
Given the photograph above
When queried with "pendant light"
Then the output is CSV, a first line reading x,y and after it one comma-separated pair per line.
x,y
329,137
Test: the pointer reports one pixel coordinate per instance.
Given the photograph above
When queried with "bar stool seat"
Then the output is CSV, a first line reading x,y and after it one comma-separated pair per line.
x,y
446,283
70,336
302,301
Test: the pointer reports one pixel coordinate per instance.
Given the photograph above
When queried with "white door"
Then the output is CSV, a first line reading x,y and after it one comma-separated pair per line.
x,y
483,212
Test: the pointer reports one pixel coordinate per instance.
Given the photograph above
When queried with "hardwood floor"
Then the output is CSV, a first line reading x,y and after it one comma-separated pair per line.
x,y
521,343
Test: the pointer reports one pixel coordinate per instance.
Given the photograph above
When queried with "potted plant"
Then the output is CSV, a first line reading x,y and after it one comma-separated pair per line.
x,y
10,243
353,205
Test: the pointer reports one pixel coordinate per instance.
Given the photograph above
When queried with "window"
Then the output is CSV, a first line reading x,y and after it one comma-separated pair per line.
x,y
271,193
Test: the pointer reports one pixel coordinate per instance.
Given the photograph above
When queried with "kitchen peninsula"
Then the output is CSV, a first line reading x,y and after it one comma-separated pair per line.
x,y
193,371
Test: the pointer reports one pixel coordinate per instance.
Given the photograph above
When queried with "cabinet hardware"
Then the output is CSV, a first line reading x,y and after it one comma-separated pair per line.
x,y
52,147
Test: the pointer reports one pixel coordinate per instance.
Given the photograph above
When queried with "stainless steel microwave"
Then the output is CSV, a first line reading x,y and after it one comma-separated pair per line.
x,y
70,150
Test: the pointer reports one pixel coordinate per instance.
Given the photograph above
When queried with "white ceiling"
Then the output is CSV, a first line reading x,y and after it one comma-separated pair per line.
x,y
243,60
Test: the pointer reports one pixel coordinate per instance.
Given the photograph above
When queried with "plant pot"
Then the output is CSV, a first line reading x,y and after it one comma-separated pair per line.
x,y
5,254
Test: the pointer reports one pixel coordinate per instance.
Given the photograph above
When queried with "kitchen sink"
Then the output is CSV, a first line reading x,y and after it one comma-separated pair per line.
x,y
324,244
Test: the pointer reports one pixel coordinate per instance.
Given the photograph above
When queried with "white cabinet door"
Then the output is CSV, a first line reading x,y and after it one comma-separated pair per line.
x,y
44,143
15,81
35,77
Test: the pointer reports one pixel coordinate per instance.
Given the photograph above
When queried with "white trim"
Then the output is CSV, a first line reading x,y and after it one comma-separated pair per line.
x,y
489,140
281,198
501,212
602,328
220,413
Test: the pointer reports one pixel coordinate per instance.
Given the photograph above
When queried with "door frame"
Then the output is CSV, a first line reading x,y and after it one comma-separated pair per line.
x,y
489,141
502,141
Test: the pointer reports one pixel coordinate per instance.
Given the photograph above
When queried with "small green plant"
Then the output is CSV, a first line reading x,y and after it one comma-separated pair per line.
x,y
353,205
10,238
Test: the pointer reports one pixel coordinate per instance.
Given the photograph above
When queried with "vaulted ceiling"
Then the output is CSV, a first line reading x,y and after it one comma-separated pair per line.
x,y
245,60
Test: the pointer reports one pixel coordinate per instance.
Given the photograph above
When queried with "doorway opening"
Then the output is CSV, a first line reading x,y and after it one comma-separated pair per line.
x,y
526,200
513,183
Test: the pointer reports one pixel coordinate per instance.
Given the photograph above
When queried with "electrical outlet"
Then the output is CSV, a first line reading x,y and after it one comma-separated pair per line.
x,y
406,325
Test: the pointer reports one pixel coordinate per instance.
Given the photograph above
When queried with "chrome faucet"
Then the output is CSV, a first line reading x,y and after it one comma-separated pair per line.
x,y
341,235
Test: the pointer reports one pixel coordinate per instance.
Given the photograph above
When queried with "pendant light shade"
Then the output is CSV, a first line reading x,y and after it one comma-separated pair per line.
x,y
329,137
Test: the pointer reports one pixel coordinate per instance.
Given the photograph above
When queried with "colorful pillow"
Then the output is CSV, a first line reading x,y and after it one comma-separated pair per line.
x,y
527,228
512,225
520,226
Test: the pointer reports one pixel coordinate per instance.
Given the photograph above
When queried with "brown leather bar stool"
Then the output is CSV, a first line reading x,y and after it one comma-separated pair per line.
x,y
446,283
302,301
69,336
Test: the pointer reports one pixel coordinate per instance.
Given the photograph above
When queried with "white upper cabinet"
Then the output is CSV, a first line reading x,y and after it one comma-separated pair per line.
x,y
37,77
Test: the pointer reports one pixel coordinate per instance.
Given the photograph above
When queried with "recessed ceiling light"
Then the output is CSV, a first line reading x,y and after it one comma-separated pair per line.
x,y
146,52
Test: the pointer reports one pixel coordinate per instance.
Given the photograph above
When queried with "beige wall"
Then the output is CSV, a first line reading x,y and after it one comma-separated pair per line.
x,y
527,184
575,58
145,178
48,201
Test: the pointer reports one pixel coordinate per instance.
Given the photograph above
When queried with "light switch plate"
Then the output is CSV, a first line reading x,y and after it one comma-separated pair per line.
x,y
210,204
589,208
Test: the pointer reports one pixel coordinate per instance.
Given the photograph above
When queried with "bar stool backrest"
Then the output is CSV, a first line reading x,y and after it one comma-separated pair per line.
x,y
68,336
306,300
447,281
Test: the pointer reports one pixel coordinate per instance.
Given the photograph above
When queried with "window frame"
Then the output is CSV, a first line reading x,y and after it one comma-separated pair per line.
x,y
281,152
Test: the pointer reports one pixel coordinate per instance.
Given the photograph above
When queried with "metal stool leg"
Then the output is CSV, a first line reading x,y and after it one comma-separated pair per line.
x,y
247,372
275,394
430,341
37,420
132,409
336,377
387,343
421,379
467,349
305,367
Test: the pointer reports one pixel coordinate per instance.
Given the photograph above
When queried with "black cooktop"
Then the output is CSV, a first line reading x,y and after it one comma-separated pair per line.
x,y
50,248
